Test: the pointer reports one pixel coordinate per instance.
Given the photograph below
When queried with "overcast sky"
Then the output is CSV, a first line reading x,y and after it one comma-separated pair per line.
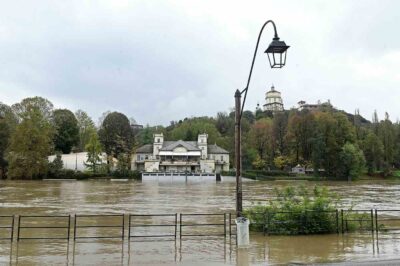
x,y
159,61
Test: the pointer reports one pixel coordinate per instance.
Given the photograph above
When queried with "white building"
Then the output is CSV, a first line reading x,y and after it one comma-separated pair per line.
x,y
273,100
75,161
181,156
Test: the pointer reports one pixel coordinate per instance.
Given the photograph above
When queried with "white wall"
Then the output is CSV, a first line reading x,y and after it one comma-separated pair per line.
x,y
75,161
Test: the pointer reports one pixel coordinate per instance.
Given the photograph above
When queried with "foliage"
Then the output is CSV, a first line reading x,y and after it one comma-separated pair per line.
x,y
281,162
259,163
261,140
296,211
30,144
67,131
228,173
189,129
145,136
328,140
93,148
8,122
373,151
55,167
42,105
127,174
116,135
352,162
123,164
86,127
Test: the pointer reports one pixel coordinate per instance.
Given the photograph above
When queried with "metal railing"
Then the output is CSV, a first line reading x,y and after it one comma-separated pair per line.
x,y
327,222
362,220
194,224
171,223
49,221
385,220
215,225
231,225
9,227
92,223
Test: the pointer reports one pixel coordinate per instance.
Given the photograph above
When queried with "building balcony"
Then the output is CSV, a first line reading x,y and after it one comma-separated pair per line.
x,y
183,163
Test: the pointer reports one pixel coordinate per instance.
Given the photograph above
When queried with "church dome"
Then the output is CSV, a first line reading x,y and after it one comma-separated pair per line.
x,y
273,100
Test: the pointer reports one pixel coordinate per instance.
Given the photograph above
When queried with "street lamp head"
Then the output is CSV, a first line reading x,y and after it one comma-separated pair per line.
x,y
276,52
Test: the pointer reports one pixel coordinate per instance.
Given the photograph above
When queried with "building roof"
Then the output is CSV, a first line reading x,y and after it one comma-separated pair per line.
x,y
186,144
148,148
216,149
273,90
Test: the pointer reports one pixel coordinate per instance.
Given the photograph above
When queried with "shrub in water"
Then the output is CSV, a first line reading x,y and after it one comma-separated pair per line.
x,y
296,211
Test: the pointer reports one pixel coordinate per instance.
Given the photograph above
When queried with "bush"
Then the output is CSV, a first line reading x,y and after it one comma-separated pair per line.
x,y
270,173
357,221
126,174
228,173
296,211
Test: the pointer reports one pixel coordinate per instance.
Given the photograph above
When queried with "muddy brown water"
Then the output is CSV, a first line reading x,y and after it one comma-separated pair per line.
x,y
165,195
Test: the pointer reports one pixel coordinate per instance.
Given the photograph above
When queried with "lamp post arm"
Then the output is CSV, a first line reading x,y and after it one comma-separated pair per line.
x,y
254,59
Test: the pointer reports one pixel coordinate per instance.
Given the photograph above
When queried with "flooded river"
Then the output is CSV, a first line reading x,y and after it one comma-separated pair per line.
x,y
194,195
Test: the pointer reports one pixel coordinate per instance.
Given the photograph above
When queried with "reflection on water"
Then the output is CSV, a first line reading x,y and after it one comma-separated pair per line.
x,y
194,196
215,251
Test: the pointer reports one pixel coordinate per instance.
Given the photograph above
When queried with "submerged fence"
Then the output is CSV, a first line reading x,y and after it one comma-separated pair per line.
x,y
387,220
148,225
216,226
190,225
7,226
44,227
95,224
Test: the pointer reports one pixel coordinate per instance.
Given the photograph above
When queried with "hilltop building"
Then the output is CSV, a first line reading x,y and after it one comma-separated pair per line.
x,y
302,105
273,101
181,156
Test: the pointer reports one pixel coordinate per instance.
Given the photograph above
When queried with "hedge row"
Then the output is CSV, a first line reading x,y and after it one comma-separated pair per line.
x,y
71,174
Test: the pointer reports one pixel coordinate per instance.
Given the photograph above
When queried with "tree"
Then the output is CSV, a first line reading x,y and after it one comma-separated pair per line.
x,y
386,134
30,144
249,116
86,126
259,163
373,151
8,122
352,162
93,148
190,136
55,167
191,127
300,130
123,164
281,162
5,133
116,135
224,123
102,117
261,139
44,106
279,129
146,135
67,131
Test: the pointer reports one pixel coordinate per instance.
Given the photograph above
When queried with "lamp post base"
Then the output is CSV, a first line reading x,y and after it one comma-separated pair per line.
x,y
242,232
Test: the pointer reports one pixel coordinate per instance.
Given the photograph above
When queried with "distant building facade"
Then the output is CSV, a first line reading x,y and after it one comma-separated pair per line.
x,y
302,105
181,156
273,101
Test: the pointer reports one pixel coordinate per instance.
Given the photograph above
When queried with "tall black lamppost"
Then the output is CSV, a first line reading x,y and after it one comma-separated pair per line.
x,y
276,52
